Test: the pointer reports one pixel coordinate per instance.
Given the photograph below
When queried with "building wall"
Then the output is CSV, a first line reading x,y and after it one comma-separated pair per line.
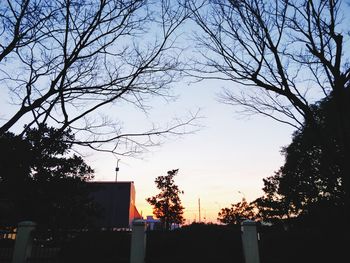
x,y
117,201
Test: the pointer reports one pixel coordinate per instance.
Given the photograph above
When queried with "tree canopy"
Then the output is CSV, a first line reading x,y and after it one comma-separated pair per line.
x,y
237,213
311,180
64,63
167,204
42,181
285,55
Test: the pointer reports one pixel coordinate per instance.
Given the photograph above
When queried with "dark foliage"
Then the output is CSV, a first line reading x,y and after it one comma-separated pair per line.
x,y
195,243
42,181
302,245
237,213
311,182
97,246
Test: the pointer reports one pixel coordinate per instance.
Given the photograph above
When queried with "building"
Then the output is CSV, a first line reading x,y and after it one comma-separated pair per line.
x,y
153,224
117,203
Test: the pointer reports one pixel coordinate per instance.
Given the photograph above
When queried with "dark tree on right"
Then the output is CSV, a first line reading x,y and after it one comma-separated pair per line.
x,y
283,58
310,183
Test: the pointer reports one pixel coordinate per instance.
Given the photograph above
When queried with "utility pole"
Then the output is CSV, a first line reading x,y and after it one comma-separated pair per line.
x,y
116,200
199,210
117,170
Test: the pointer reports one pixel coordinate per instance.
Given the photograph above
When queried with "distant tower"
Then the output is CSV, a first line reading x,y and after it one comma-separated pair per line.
x,y
199,210
116,171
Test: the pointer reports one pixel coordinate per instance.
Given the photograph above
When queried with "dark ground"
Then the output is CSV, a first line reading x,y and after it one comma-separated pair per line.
x,y
208,244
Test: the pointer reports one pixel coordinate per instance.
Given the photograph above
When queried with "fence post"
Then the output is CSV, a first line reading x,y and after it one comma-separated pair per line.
x,y
138,241
23,243
250,242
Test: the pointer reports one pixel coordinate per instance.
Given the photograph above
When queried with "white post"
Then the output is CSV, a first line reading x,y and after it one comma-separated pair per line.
x,y
23,243
250,242
138,241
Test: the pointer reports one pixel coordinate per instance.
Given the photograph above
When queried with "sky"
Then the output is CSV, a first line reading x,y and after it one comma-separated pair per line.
x,y
225,160
222,162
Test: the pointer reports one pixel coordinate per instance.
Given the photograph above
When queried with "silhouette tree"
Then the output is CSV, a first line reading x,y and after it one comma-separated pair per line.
x,y
311,179
282,57
167,204
237,213
41,180
66,62
273,206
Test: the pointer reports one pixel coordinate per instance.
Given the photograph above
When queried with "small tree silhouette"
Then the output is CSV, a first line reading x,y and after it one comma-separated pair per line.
x,y
237,213
167,204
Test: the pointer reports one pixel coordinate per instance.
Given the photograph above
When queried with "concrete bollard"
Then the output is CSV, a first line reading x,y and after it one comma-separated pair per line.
x,y
250,242
23,243
138,241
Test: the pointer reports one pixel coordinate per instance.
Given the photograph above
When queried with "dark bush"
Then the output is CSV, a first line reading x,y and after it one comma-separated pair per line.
x,y
99,246
303,245
195,243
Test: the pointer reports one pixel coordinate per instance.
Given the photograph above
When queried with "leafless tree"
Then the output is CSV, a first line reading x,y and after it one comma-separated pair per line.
x,y
282,56
62,62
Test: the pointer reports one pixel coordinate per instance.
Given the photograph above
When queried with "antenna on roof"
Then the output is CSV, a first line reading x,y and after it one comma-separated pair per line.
x,y
117,170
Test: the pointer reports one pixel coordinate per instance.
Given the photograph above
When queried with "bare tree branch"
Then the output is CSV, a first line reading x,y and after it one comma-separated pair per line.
x,y
285,56
291,48
73,58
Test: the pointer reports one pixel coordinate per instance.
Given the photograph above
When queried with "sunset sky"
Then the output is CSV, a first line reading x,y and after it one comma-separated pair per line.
x,y
223,161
